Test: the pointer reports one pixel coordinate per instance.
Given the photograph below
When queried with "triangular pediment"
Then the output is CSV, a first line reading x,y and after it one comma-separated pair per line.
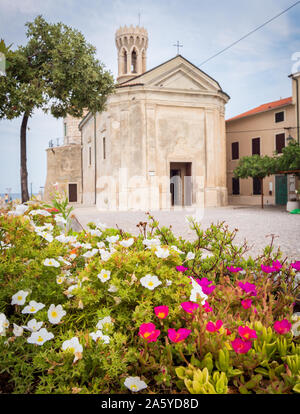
x,y
177,73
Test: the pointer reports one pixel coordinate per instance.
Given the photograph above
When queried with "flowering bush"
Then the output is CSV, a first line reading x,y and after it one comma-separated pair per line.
x,y
103,311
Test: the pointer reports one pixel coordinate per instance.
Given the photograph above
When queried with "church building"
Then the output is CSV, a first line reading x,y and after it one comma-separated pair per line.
x,y
159,144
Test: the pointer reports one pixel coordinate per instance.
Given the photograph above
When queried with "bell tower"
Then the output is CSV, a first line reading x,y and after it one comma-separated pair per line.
x,y
132,43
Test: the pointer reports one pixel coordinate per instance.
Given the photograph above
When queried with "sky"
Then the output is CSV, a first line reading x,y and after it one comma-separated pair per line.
x,y
253,72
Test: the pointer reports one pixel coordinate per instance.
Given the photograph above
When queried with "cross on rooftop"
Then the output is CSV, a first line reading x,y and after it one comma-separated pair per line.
x,y
178,45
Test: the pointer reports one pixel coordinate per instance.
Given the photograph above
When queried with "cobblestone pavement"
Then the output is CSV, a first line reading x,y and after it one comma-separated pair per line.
x,y
253,223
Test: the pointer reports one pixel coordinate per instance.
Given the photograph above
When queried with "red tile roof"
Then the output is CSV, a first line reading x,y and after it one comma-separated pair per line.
x,y
263,108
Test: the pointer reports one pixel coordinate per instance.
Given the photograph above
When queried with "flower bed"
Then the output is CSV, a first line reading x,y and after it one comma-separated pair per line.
x,y
103,311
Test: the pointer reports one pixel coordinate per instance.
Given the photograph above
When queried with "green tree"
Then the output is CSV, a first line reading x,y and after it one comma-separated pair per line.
x,y
56,71
256,166
289,160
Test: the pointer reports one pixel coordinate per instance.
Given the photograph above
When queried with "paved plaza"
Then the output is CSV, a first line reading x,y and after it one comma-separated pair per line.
x,y
253,223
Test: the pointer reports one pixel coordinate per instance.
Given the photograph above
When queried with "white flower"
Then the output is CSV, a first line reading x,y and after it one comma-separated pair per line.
x,y
99,334
18,330
111,248
135,384
62,238
4,245
296,325
96,233
168,282
90,253
104,323
72,345
150,282
33,325
72,256
59,219
40,337
4,323
87,246
151,243
55,313
45,235
69,290
104,275
162,253
105,255
47,226
127,243
176,249
51,263
101,226
19,210
19,298
60,279
112,288
33,307
197,293
112,239
40,212
76,245
100,245
61,259
190,256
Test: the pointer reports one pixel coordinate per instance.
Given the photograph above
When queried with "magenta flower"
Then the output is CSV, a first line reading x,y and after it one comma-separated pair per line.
x,y
178,336
246,333
206,307
149,332
268,269
240,346
233,269
248,288
246,303
181,269
204,283
161,311
189,307
296,266
277,265
211,327
282,327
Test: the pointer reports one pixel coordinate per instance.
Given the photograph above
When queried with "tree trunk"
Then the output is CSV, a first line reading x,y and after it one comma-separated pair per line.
x,y
24,174
262,192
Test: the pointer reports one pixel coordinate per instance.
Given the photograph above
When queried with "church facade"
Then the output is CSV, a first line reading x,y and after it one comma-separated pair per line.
x,y
159,144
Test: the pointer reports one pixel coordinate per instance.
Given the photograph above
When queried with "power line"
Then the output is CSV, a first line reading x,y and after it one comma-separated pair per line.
x,y
255,130
248,34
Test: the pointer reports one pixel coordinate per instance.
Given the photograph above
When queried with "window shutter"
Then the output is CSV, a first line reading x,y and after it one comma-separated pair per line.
x,y
235,186
256,146
280,142
235,150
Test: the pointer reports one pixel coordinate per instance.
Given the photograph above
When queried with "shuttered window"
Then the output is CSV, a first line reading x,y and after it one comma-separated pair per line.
x,y
235,186
280,142
279,117
256,186
256,146
235,150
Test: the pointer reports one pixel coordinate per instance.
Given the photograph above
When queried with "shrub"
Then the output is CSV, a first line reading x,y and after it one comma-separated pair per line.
x,y
182,316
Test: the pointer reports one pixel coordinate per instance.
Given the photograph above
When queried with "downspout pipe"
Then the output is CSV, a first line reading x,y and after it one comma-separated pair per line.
x,y
297,106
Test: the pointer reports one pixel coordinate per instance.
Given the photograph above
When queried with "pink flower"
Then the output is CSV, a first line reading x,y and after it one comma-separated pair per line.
x,y
189,307
282,327
246,333
161,311
240,346
277,265
181,269
296,266
246,303
268,269
178,336
228,332
204,283
148,332
206,307
248,288
211,327
233,269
